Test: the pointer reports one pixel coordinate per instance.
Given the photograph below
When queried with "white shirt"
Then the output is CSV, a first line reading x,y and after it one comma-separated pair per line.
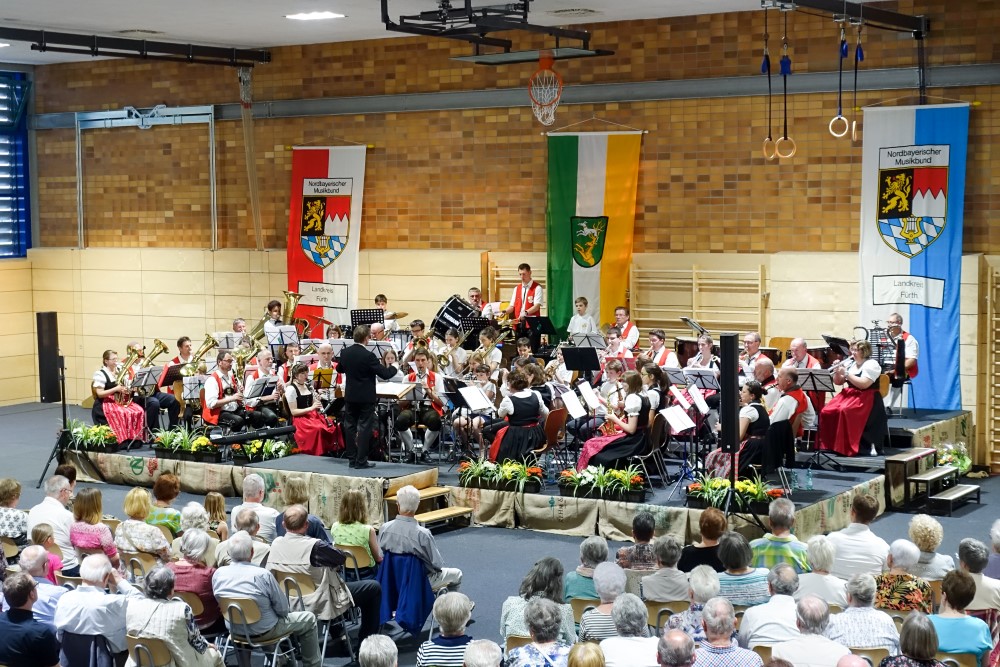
x,y
630,651
864,626
265,517
911,348
825,586
507,405
785,408
52,512
88,610
859,551
581,324
810,651
213,394
100,380
987,591
633,404
769,623
869,369
629,335
538,294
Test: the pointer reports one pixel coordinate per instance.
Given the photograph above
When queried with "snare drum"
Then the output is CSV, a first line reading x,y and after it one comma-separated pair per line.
x,y
773,354
686,348
451,314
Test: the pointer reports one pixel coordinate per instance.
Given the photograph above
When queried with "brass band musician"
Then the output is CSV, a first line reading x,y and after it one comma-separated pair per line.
x,y
223,405
426,410
156,399
628,331
266,406
658,352
526,301
314,434
751,354
111,404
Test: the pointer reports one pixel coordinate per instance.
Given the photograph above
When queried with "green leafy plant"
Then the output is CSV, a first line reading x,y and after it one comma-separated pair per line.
x,y
712,490
954,454
481,470
600,478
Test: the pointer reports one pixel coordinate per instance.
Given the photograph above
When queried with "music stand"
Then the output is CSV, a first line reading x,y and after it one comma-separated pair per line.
x,y
281,336
839,344
379,348
703,378
338,345
171,374
228,340
192,387
388,392
676,376
367,316
697,328
582,359
147,379
262,386
819,379
587,340
541,324
473,324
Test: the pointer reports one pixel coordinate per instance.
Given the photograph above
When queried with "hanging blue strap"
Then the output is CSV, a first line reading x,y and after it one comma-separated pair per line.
x,y
843,45
786,65
765,64
859,53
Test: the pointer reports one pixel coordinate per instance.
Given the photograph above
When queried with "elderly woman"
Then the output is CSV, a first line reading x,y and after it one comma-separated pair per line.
x,y
296,492
545,579
703,585
918,644
820,553
711,524
192,574
855,416
134,534
13,522
580,582
87,534
667,584
633,647
157,616
740,583
957,632
543,617
452,612
194,515
585,654
860,624
899,590
596,624
166,488
927,533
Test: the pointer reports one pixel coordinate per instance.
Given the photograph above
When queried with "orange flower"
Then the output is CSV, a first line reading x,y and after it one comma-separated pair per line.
x,y
567,473
535,472
636,479
694,487
775,493
464,465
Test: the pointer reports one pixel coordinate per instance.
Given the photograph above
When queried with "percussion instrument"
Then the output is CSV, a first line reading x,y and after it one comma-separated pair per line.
x,y
450,315
686,348
395,316
773,354
826,356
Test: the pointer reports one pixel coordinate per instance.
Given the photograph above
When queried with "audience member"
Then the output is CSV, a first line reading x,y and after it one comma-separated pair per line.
x,y
703,585
860,624
667,584
927,533
719,649
245,520
993,567
166,488
159,616
192,574
68,471
483,653
195,516
918,644
13,522
852,660
403,535
134,535
973,556
740,583
819,581
41,535
584,654
639,556
87,534
253,496
545,579
957,632
296,492
25,641
711,524
34,562
859,550
52,511
580,583
780,546
776,620
897,589
676,648
215,505
543,617
88,610
633,647
811,648
452,612
353,529
596,624
378,651
242,579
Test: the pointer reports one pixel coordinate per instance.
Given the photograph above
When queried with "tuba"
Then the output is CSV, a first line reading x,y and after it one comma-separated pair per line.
x,y
197,365
241,356
159,347
122,377
288,312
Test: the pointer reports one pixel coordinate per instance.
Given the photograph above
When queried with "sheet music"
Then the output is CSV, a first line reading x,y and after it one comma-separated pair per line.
x,y
589,397
573,405
396,389
259,387
679,397
476,399
677,417
698,398
307,359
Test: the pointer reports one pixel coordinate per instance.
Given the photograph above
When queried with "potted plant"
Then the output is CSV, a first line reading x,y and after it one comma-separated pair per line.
x,y
954,454
276,449
247,452
78,434
100,438
626,484
163,443
707,491
205,451
756,494
750,494
508,476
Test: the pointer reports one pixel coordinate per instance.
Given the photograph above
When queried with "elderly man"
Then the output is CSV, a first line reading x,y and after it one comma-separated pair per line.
x,y
860,624
719,649
639,556
703,585
244,580
801,359
34,562
244,520
295,551
580,582
792,402
859,550
52,510
811,649
253,496
851,660
774,621
763,372
482,653
378,651
675,649
780,546
631,647
403,535
973,556
25,641
667,584
88,610
751,354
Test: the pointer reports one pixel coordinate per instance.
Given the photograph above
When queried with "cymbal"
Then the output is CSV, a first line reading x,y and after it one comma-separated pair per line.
x,y
396,316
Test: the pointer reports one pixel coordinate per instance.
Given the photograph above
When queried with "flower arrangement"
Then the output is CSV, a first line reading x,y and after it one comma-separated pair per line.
x,y
262,450
203,444
178,439
483,472
84,436
954,454
601,481
712,490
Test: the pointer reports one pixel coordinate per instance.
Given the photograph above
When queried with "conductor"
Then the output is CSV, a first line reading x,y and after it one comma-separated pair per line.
x,y
360,366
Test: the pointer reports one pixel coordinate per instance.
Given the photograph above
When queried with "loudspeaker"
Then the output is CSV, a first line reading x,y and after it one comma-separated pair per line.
x,y
729,401
49,359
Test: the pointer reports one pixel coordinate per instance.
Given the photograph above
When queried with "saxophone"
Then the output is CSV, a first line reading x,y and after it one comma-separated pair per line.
x,y
609,427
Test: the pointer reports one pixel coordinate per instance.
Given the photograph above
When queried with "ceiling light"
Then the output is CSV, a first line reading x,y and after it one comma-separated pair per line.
x,y
3,45
314,16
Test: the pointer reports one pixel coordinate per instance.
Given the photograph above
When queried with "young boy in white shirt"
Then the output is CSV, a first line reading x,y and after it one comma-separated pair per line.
x,y
581,323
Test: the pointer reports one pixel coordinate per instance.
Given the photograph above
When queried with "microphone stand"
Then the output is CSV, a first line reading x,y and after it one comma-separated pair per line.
x,y
62,440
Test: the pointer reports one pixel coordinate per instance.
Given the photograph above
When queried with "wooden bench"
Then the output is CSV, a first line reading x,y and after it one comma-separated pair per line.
x,y
935,479
438,516
955,494
909,462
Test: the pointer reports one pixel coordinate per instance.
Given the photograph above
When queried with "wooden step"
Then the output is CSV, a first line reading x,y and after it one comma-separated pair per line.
x,y
911,455
425,494
934,475
956,494
443,514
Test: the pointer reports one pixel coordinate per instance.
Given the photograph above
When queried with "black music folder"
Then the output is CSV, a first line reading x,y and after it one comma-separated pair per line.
x,y
581,359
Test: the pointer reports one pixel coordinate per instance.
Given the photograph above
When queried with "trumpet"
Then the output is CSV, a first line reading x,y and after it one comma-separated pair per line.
x,y
197,364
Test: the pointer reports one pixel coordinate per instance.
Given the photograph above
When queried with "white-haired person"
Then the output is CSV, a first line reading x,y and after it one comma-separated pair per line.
x,y
718,649
775,620
193,574
403,535
52,511
993,566
810,648
194,515
703,585
860,624
633,647
34,561
596,624
899,590
780,545
253,496
667,583
973,556
160,616
675,649
378,651
544,579
482,653
580,582
820,553
543,618
958,632
927,533
452,612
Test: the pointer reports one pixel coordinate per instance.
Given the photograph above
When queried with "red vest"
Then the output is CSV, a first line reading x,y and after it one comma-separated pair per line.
x,y
800,405
625,332
211,416
522,301
912,373
432,383
660,359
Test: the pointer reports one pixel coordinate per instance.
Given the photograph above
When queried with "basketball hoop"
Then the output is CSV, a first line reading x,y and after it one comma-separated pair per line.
x,y
545,90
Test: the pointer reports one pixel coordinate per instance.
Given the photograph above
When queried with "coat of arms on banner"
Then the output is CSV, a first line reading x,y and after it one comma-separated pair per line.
x,y
326,218
912,196
589,233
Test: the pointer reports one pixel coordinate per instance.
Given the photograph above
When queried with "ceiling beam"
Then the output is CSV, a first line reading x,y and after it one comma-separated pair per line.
x,y
856,12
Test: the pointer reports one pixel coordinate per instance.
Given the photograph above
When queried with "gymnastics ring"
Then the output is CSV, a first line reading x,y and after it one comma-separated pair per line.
x,y
769,143
854,131
778,144
835,120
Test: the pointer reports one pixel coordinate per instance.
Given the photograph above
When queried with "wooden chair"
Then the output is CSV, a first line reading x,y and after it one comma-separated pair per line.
x,y
554,424
898,617
168,534
55,549
148,652
213,535
739,610
936,588
10,549
112,524
660,612
241,612
581,605
836,609
297,585
764,651
652,451
356,555
63,580
872,655
516,641
958,659
782,344
138,563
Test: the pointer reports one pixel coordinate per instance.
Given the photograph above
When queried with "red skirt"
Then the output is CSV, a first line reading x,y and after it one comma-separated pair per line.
x,y
127,421
595,445
313,435
842,420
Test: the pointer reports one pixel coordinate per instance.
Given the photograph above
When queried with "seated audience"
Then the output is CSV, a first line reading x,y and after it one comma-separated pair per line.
x,y
719,649
253,496
897,589
247,521
993,567
703,586
193,574
215,505
52,511
859,550
242,579
34,562
774,621
639,556
780,546
13,522
740,583
860,624
711,524
958,633
852,660
585,654
296,492
545,579
41,535
68,471
811,648
87,534
134,535
166,488
378,651
195,516
580,582
483,653
403,535
353,529
973,556
452,612
25,641
926,532
667,584
159,616
675,649
818,581
918,644
596,624
633,647
543,617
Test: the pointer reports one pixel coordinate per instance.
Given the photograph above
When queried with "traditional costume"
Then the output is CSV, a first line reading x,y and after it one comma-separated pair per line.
x,y
854,414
